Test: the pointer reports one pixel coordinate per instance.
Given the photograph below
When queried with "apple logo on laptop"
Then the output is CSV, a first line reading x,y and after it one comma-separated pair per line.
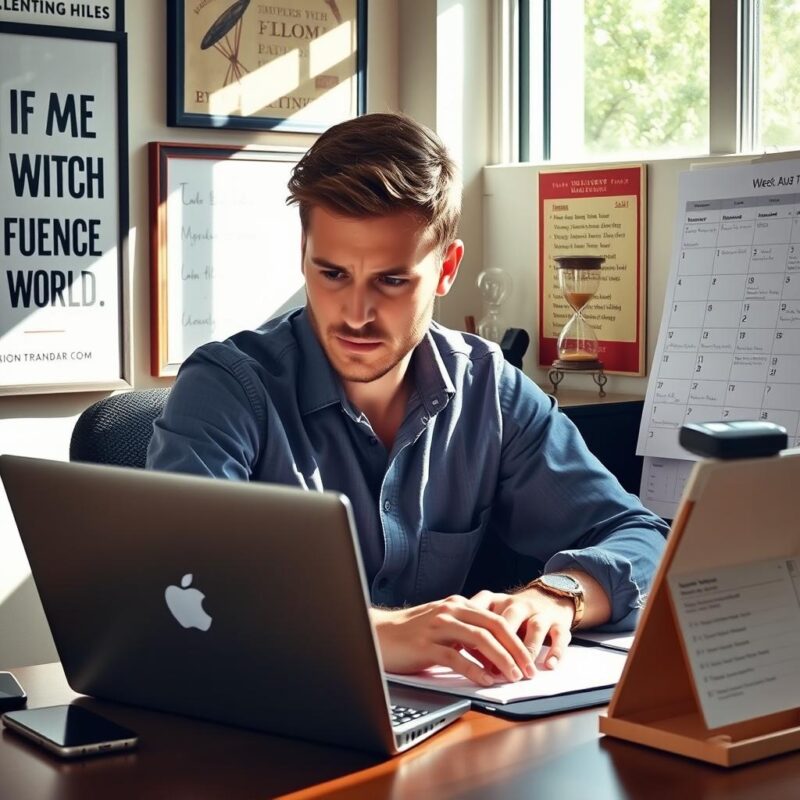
x,y
186,605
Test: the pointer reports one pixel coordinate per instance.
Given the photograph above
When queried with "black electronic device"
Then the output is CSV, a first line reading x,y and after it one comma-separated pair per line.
x,y
70,731
735,439
514,345
12,695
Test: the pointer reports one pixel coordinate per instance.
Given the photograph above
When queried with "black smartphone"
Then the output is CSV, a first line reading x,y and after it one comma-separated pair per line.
x,y
12,695
70,731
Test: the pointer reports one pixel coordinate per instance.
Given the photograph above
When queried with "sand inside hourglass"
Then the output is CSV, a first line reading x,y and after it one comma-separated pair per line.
x,y
578,299
578,280
578,355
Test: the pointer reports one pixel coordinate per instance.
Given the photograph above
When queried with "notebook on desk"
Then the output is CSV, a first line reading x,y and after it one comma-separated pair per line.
x,y
242,603
581,668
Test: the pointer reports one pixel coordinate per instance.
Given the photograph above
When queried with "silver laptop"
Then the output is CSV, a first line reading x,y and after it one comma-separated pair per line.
x,y
243,603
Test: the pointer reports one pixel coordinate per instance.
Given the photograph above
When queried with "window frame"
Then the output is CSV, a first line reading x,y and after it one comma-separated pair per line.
x,y
733,79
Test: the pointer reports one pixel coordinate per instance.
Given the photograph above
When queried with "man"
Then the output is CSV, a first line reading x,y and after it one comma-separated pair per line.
x,y
436,440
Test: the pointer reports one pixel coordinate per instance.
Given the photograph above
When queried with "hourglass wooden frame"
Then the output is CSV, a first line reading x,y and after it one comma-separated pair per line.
x,y
577,345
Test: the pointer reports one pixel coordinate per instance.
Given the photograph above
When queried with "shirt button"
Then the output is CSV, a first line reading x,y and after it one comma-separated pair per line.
x,y
387,506
383,583
424,420
373,440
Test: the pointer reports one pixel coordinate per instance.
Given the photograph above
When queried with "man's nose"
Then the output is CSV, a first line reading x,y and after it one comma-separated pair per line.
x,y
359,309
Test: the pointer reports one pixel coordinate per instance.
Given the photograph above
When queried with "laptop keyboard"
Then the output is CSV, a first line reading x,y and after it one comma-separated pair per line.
x,y
402,714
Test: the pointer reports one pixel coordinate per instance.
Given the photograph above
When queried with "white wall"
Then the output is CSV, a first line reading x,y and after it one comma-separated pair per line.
x,y
41,425
445,82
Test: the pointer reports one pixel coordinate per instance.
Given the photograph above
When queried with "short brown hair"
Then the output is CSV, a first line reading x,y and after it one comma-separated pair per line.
x,y
376,165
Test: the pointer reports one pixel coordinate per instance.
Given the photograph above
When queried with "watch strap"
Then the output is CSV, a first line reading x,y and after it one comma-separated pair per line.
x,y
577,596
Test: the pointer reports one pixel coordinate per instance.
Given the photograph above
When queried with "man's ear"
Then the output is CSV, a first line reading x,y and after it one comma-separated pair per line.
x,y
303,253
449,269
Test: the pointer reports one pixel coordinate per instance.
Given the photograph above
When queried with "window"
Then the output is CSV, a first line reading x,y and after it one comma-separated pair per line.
x,y
604,79
777,48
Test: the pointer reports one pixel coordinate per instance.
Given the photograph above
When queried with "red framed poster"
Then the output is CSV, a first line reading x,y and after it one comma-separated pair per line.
x,y
596,212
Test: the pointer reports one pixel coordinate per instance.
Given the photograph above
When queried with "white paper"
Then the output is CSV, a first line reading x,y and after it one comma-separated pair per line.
x,y
729,342
663,481
580,668
741,629
233,248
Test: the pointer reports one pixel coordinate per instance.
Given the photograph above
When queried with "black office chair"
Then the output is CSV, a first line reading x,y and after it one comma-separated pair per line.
x,y
117,429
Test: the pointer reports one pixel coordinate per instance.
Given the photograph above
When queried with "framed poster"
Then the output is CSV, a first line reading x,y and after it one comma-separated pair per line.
x,y
296,65
596,211
225,247
64,209
102,15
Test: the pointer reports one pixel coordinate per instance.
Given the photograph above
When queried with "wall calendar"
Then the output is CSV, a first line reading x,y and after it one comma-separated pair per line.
x,y
729,342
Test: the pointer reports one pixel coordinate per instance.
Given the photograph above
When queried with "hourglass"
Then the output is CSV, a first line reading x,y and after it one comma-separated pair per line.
x,y
577,347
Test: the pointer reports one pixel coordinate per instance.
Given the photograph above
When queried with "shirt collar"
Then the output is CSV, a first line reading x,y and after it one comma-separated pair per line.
x,y
431,378
320,385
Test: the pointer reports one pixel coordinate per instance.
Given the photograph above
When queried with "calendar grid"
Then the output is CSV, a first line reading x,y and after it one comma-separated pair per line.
x,y
729,346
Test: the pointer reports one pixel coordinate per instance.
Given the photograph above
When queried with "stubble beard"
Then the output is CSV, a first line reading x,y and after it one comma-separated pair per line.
x,y
350,368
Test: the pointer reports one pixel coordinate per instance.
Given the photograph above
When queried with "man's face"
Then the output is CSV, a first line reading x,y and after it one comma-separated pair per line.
x,y
371,285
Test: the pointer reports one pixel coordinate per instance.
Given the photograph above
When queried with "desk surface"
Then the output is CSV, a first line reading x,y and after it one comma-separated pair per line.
x,y
477,757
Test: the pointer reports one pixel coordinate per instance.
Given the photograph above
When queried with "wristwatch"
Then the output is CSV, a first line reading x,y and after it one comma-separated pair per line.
x,y
560,585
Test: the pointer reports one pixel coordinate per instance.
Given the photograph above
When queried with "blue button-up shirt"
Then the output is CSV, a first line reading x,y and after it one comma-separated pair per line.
x,y
482,452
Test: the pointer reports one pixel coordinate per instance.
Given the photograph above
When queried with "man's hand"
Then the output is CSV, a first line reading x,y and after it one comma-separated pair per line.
x,y
506,633
412,639
536,617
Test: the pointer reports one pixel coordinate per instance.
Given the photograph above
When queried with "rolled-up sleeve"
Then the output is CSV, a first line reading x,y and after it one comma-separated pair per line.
x,y
558,504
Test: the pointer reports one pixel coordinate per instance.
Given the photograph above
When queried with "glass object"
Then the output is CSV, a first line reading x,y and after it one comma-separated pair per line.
x,y
778,74
622,77
579,279
495,286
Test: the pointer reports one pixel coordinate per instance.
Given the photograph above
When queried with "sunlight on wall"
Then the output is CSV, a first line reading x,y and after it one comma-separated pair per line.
x,y
450,40
39,438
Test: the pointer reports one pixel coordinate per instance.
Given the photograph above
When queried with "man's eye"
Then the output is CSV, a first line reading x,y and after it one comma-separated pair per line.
x,y
332,274
388,280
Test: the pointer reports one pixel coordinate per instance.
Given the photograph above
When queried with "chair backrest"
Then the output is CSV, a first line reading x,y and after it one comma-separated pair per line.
x,y
117,429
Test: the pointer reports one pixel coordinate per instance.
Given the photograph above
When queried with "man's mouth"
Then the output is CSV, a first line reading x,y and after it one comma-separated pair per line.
x,y
357,344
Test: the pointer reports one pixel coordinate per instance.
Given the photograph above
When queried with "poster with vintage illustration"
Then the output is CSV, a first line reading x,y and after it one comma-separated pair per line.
x,y
62,157
293,65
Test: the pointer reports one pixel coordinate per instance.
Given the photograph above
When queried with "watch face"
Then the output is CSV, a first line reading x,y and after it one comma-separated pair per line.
x,y
566,583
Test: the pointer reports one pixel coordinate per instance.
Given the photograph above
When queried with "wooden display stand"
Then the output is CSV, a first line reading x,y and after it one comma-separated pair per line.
x,y
733,513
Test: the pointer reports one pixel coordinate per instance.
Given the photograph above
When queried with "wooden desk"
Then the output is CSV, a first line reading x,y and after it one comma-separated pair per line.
x,y
478,757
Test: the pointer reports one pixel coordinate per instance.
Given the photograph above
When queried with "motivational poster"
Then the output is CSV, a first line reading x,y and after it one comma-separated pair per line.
x,y
103,15
60,287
